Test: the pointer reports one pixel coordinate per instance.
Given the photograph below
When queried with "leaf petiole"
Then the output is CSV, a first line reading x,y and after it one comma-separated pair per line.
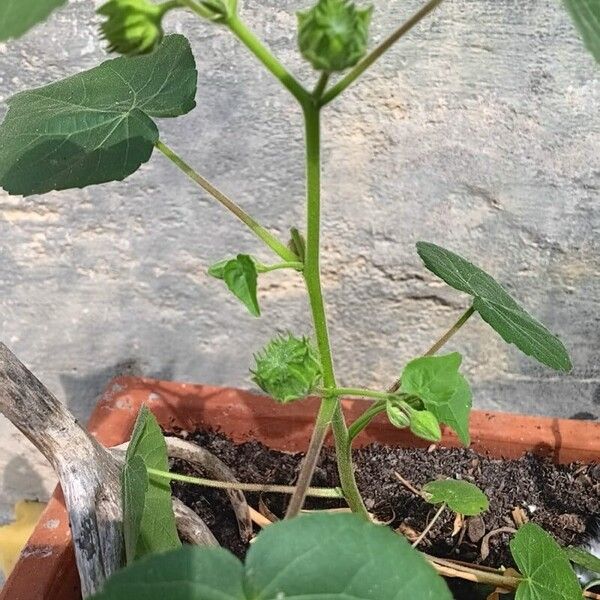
x,y
296,265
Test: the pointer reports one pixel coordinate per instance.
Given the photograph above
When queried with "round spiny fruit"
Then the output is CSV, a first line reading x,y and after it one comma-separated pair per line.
x,y
132,26
288,368
333,34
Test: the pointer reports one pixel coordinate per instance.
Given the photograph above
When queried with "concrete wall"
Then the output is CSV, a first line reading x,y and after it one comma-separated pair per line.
x,y
480,131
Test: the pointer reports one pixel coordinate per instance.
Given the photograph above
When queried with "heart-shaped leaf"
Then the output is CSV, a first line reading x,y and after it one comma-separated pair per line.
x,y
18,16
496,306
547,574
148,520
240,275
95,126
443,390
586,14
460,496
313,557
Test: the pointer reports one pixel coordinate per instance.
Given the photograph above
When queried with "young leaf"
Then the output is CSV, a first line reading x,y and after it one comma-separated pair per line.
x,y
443,390
241,276
18,16
586,15
149,523
95,126
460,496
288,368
313,557
496,306
547,574
584,559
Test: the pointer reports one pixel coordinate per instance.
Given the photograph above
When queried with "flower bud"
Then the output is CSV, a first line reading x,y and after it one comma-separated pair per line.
x,y
288,368
333,34
425,425
133,26
396,415
218,11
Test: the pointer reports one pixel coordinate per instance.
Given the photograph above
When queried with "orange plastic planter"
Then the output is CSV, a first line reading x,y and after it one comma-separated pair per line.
x,y
46,569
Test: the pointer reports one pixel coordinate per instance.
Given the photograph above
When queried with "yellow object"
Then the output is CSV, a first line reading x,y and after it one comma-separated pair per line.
x,y
14,536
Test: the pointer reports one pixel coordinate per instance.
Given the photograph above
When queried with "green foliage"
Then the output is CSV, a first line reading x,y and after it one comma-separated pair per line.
x,y
312,557
584,559
586,14
148,520
95,126
240,276
424,424
18,16
333,35
496,306
288,368
460,496
132,26
219,11
443,390
547,574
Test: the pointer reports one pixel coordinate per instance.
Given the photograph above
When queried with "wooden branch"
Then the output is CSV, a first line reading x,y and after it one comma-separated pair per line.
x,y
88,474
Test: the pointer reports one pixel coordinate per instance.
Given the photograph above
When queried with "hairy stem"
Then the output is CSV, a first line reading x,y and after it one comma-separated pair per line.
x,y
360,392
246,487
268,238
330,409
365,419
241,31
440,342
364,64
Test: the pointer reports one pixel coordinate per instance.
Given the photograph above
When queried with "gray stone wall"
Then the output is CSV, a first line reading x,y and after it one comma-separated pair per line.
x,y
479,131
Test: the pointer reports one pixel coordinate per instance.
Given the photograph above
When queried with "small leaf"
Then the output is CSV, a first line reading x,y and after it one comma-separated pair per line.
x,y
18,16
460,496
95,126
288,368
149,523
547,574
396,416
316,557
424,424
496,306
217,270
443,390
584,559
586,15
240,276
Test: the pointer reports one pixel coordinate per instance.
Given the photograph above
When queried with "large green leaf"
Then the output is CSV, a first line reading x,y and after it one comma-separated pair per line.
x,y
17,16
547,573
443,390
95,126
586,14
149,523
240,276
313,557
460,496
496,306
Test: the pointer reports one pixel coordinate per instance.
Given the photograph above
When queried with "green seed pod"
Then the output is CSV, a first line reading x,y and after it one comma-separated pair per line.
x,y
333,34
288,368
133,26
425,425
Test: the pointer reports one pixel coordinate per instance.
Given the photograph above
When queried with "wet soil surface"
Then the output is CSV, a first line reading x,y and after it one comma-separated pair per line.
x,y
562,499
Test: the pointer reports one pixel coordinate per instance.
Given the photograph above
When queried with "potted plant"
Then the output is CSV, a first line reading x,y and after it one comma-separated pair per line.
x,y
99,126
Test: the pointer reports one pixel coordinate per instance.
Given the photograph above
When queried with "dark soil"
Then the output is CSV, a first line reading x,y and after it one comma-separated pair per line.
x,y
562,499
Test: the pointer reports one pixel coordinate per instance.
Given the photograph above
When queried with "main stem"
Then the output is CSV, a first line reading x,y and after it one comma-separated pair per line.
x,y
330,410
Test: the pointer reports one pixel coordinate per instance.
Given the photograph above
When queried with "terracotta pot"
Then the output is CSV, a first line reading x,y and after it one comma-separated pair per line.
x,y
46,569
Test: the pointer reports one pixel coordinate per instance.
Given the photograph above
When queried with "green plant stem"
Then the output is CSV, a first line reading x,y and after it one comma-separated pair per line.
x,y
359,392
268,238
321,85
431,523
440,342
316,492
330,410
296,266
364,64
364,419
241,31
